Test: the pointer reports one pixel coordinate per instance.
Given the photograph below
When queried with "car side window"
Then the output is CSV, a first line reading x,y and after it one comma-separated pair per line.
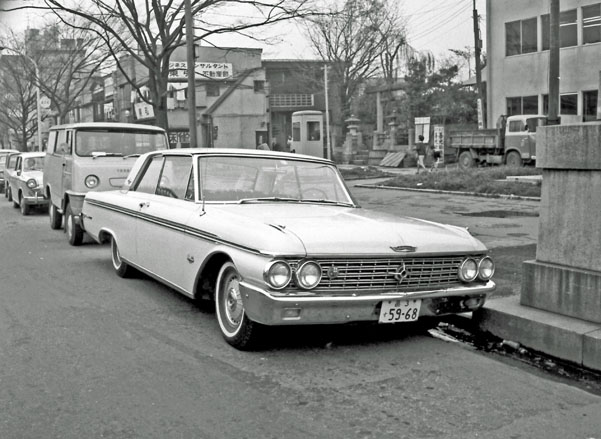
x,y
175,177
64,143
150,179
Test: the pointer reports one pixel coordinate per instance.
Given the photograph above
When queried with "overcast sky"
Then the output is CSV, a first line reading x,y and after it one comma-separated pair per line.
x,y
435,25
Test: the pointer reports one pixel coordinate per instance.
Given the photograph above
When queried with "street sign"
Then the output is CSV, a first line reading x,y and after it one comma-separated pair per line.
x,y
45,102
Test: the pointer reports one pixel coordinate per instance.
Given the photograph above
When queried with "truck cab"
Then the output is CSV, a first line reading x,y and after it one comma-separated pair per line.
x,y
520,138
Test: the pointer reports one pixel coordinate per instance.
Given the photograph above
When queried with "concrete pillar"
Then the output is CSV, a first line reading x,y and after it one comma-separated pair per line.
x,y
565,278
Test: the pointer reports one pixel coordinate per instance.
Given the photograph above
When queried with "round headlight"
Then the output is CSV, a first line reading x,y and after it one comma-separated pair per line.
x,y
91,181
32,183
468,270
308,275
486,268
278,274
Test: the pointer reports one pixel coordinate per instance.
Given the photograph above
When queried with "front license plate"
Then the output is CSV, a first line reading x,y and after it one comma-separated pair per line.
x,y
399,310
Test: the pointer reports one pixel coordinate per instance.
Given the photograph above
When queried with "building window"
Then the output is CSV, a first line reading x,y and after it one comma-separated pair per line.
x,y
568,103
291,100
259,86
568,29
591,24
522,105
589,108
212,89
520,37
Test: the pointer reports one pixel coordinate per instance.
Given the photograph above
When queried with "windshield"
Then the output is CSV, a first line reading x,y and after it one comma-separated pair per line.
x,y
33,164
259,179
95,143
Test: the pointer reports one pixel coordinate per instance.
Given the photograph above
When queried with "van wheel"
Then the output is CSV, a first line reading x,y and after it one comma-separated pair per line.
x,y
466,160
237,329
122,268
25,208
514,159
72,229
56,218
9,194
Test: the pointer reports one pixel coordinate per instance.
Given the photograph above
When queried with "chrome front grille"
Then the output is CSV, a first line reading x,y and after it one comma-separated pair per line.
x,y
387,274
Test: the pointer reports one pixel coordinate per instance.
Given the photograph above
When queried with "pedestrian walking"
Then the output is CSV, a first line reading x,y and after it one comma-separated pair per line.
x,y
420,148
436,154
289,143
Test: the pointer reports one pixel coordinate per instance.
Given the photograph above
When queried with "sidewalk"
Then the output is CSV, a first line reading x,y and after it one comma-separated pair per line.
x,y
566,338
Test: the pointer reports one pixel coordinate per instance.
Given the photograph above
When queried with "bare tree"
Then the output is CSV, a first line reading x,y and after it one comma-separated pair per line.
x,y
362,40
149,31
17,99
68,59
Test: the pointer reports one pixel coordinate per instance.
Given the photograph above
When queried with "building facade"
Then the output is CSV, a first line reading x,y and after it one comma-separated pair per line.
x,y
297,85
517,74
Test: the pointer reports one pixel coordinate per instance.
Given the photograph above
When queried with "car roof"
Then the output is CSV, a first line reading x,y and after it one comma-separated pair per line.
x,y
7,151
243,152
104,125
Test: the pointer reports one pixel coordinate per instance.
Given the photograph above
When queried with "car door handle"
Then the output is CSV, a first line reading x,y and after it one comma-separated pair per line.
x,y
146,204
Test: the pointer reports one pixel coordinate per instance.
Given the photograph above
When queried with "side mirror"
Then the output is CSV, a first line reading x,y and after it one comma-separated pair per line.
x,y
19,173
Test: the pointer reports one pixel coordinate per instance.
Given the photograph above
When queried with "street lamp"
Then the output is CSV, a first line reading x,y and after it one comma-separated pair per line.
x,y
37,92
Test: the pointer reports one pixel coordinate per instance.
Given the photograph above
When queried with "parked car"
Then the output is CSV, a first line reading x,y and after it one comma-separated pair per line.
x,y
25,183
9,169
3,154
277,239
96,155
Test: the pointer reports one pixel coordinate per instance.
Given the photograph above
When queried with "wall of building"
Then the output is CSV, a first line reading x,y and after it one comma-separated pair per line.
x,y
527,74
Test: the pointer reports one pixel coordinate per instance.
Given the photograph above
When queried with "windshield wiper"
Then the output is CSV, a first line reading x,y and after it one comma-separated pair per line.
x,y
106,154
265,199
130,155
322,201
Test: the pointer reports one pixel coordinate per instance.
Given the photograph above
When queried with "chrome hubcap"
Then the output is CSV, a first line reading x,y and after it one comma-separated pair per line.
x,y
234,308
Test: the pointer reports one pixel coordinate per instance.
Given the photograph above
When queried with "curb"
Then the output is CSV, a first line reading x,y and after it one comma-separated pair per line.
x,y
566,338
440,191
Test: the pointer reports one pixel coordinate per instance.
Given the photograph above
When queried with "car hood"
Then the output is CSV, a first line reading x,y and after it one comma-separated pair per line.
x,y
322,230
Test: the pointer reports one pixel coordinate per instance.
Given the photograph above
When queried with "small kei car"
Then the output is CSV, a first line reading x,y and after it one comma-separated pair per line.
x,y
3,155
25,183
276,238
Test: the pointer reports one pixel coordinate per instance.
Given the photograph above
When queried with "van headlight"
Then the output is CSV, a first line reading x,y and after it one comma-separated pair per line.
x,y
486,268
308,275
278,274
91,181
468,270
32,183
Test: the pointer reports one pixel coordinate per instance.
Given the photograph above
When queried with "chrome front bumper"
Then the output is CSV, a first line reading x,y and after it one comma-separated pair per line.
x,y
274,309
35,200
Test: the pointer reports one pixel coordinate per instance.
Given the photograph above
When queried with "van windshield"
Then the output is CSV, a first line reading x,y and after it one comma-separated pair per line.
x,y
114,142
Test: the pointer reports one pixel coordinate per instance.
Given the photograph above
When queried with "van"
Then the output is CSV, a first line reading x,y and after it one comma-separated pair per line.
x,y
91,156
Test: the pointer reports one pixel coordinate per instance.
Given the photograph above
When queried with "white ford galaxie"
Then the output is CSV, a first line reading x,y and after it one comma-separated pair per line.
x,y
277,239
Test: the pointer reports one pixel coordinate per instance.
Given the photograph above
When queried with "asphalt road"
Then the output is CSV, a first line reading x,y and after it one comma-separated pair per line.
x,y
85,354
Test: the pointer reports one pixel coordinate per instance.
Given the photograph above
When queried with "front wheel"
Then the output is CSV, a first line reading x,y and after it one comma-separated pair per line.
x,y
9,194
25,208
72,229
237,329
466,160
513,159
122,268
56,218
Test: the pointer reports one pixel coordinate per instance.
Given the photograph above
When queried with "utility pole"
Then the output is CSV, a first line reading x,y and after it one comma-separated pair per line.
x,y
328,141
553,116
191,75
477,53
